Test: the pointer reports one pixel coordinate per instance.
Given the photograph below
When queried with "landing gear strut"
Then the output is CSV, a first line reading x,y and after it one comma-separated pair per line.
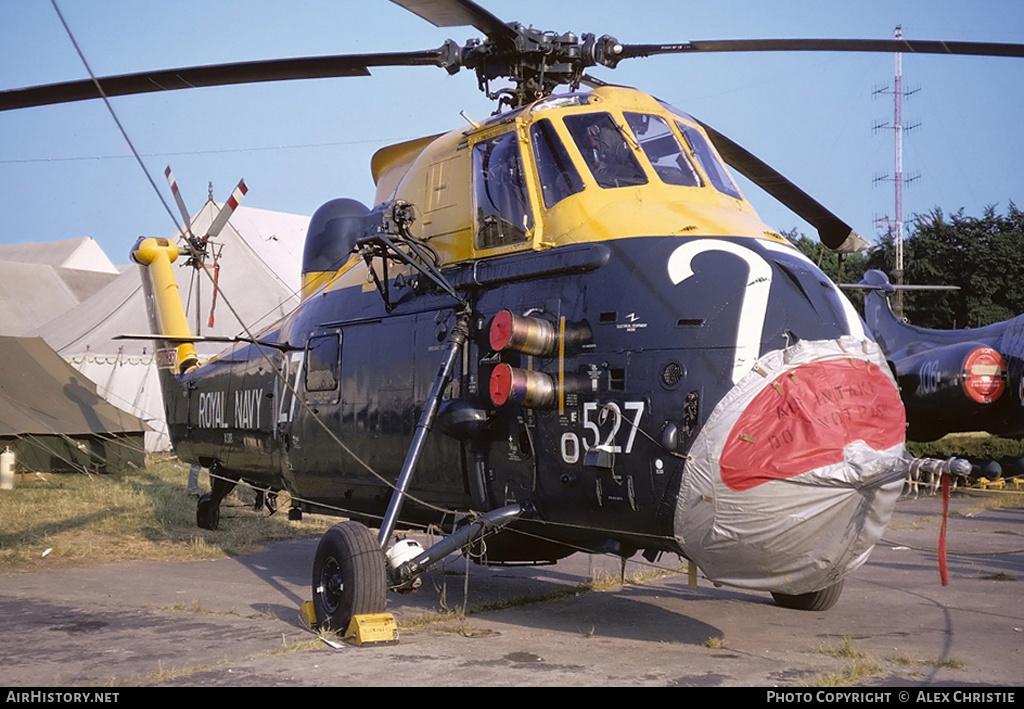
x,y
350,574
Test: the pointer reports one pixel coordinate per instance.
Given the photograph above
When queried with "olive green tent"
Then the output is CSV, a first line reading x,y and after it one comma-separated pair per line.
x,y
52,418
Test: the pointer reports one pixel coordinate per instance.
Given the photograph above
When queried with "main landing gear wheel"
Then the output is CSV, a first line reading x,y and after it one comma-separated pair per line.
x,y
349,576
208,507
814,601
207,512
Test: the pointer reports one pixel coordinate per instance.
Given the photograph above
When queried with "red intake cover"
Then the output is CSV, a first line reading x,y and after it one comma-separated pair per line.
x,y
804,420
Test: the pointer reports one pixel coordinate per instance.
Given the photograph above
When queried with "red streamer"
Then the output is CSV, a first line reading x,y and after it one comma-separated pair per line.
x,y
943,566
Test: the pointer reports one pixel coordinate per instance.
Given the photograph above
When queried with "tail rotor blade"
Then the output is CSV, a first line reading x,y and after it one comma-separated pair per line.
x,y
186,218
227,210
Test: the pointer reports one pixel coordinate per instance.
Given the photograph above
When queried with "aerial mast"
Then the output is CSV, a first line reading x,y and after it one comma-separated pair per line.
x,y
896,224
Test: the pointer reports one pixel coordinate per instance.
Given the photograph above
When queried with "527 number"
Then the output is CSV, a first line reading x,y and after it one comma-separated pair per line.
x,y
605,425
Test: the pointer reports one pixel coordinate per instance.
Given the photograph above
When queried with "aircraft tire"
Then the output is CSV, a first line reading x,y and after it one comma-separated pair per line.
x,y
349,576
814,601
207,513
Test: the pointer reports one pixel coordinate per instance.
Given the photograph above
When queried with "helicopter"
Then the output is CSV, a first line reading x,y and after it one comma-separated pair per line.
x,y
560,328
951,381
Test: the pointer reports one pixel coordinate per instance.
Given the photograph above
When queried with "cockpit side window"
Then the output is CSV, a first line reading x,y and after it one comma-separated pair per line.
x,y
713,168
502,206
662,148
558,176
605,149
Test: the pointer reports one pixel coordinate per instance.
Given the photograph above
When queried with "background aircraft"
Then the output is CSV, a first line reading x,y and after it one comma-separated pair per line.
x,y
950,380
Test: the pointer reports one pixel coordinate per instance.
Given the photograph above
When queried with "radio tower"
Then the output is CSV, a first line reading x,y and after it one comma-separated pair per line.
x,y
896,224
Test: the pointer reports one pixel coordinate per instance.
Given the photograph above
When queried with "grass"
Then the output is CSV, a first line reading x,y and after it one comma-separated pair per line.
x,y
160,674
196,608
992,500
287,648
525,599
857,671
443,622
998,576
844,650
972,446
144,514
637,578
602,583
860,666
904,660
456,622
163,674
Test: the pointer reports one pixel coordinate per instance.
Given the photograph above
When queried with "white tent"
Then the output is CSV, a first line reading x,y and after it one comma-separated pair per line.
x,y
259,258
83,254
39,282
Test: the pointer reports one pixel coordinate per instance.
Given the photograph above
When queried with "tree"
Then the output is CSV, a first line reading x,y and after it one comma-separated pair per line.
x,y
839,269
845,268
982,256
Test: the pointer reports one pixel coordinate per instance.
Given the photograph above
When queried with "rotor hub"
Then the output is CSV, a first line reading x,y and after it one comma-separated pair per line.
x,y
536,61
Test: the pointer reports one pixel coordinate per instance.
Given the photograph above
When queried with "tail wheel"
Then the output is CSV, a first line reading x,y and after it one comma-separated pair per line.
x,y
349,576
814,601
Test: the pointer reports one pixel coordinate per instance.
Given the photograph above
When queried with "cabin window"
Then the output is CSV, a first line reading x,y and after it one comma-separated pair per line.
x,y
502,208
558,176
605,149
708,160
662,148
323,362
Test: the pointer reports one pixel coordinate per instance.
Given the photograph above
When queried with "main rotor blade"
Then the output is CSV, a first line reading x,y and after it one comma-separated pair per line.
x,y
217,75
891,46
833,232
456,13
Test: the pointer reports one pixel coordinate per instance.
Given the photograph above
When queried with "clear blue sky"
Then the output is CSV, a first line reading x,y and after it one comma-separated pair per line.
x,y
65,171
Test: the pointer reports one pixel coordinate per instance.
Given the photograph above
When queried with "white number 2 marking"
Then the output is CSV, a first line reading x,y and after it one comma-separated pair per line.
x,y
755,296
